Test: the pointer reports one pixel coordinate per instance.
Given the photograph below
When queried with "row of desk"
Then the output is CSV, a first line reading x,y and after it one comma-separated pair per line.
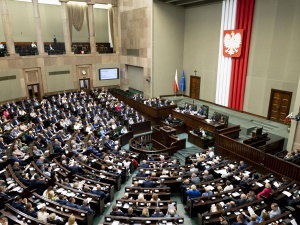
x,y
195,122
156,112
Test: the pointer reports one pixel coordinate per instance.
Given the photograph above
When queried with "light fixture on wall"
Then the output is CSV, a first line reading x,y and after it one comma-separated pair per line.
x,y
148,79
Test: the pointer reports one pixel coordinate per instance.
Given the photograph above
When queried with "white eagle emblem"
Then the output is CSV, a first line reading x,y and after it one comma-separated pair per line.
x,y
232,43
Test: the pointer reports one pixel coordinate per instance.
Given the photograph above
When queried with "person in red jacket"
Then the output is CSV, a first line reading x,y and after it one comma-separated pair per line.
x,y
266,192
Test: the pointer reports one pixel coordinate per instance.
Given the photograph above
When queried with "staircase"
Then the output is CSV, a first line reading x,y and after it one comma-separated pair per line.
x,y
183,153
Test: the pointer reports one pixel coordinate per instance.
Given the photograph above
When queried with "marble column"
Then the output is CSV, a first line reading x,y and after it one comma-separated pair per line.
x,y
7,28
91,28
38,27
66,27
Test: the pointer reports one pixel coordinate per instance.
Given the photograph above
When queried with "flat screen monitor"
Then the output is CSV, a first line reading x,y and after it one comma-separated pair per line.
x,y
108,73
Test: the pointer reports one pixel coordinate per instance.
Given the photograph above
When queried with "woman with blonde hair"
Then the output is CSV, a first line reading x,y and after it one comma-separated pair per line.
x,y
42,214
140,199
51,195
145,212
71,220
265,192
155,197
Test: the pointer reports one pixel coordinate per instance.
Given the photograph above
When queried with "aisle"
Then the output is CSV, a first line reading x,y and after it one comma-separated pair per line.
x,y
118,194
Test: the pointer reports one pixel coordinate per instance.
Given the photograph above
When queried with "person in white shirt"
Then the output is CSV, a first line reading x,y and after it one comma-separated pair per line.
x,y
229,186
42,214
33,45
124,130
1,46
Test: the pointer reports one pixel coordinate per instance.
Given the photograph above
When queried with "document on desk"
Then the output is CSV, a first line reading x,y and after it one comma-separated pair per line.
x,y
276,184
221,171
237,178
267,181
293,222
250,210
259,184
116,222
287,193
89,199
126,206
235,194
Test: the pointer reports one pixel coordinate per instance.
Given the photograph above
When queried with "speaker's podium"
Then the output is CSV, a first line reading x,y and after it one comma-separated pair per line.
x,y
258,131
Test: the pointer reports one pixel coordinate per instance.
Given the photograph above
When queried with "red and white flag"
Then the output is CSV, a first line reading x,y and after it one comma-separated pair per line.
x,y
176,83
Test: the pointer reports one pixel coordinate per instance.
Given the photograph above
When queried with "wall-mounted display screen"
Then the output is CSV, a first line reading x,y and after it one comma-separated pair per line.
x,y
108,73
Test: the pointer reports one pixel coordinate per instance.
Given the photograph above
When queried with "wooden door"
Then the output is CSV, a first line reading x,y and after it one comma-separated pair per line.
x,y
34,91
84,84
280,102
195,87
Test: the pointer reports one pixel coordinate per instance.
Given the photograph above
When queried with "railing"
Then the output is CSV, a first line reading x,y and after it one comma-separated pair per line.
x,y
262,161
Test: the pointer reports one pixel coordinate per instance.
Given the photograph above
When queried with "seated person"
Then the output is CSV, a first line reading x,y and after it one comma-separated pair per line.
x,y
207,176
193,192
215,117
243,200
33,45
195,179
243,165
169,119
148,183
130,213
171,213
29,210
54,219
200,111
157,213
207,192
275,210
116,211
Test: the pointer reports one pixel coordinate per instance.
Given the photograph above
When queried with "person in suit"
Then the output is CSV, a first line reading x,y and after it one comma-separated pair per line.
x,y
148,183
207,192
116,211
130,213
200,111
18,203
195,179
29,210
215,117
157,213
193,192
38,183
207,176
85,206
62,199
240,220
3,196
71,203
144,164
243,165
243,200
99,192
2,144
141,173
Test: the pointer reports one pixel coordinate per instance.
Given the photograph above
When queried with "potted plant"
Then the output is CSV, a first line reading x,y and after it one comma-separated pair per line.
x,y
288,121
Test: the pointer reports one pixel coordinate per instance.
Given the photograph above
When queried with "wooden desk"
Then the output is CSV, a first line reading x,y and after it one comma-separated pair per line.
x,y
201,142
194,122
156,112
179,127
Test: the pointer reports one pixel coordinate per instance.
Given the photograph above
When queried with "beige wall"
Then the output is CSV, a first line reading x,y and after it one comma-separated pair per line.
x,y
59,82
168,38
201,44
23,25
274,53
10,89
135,32
18,66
